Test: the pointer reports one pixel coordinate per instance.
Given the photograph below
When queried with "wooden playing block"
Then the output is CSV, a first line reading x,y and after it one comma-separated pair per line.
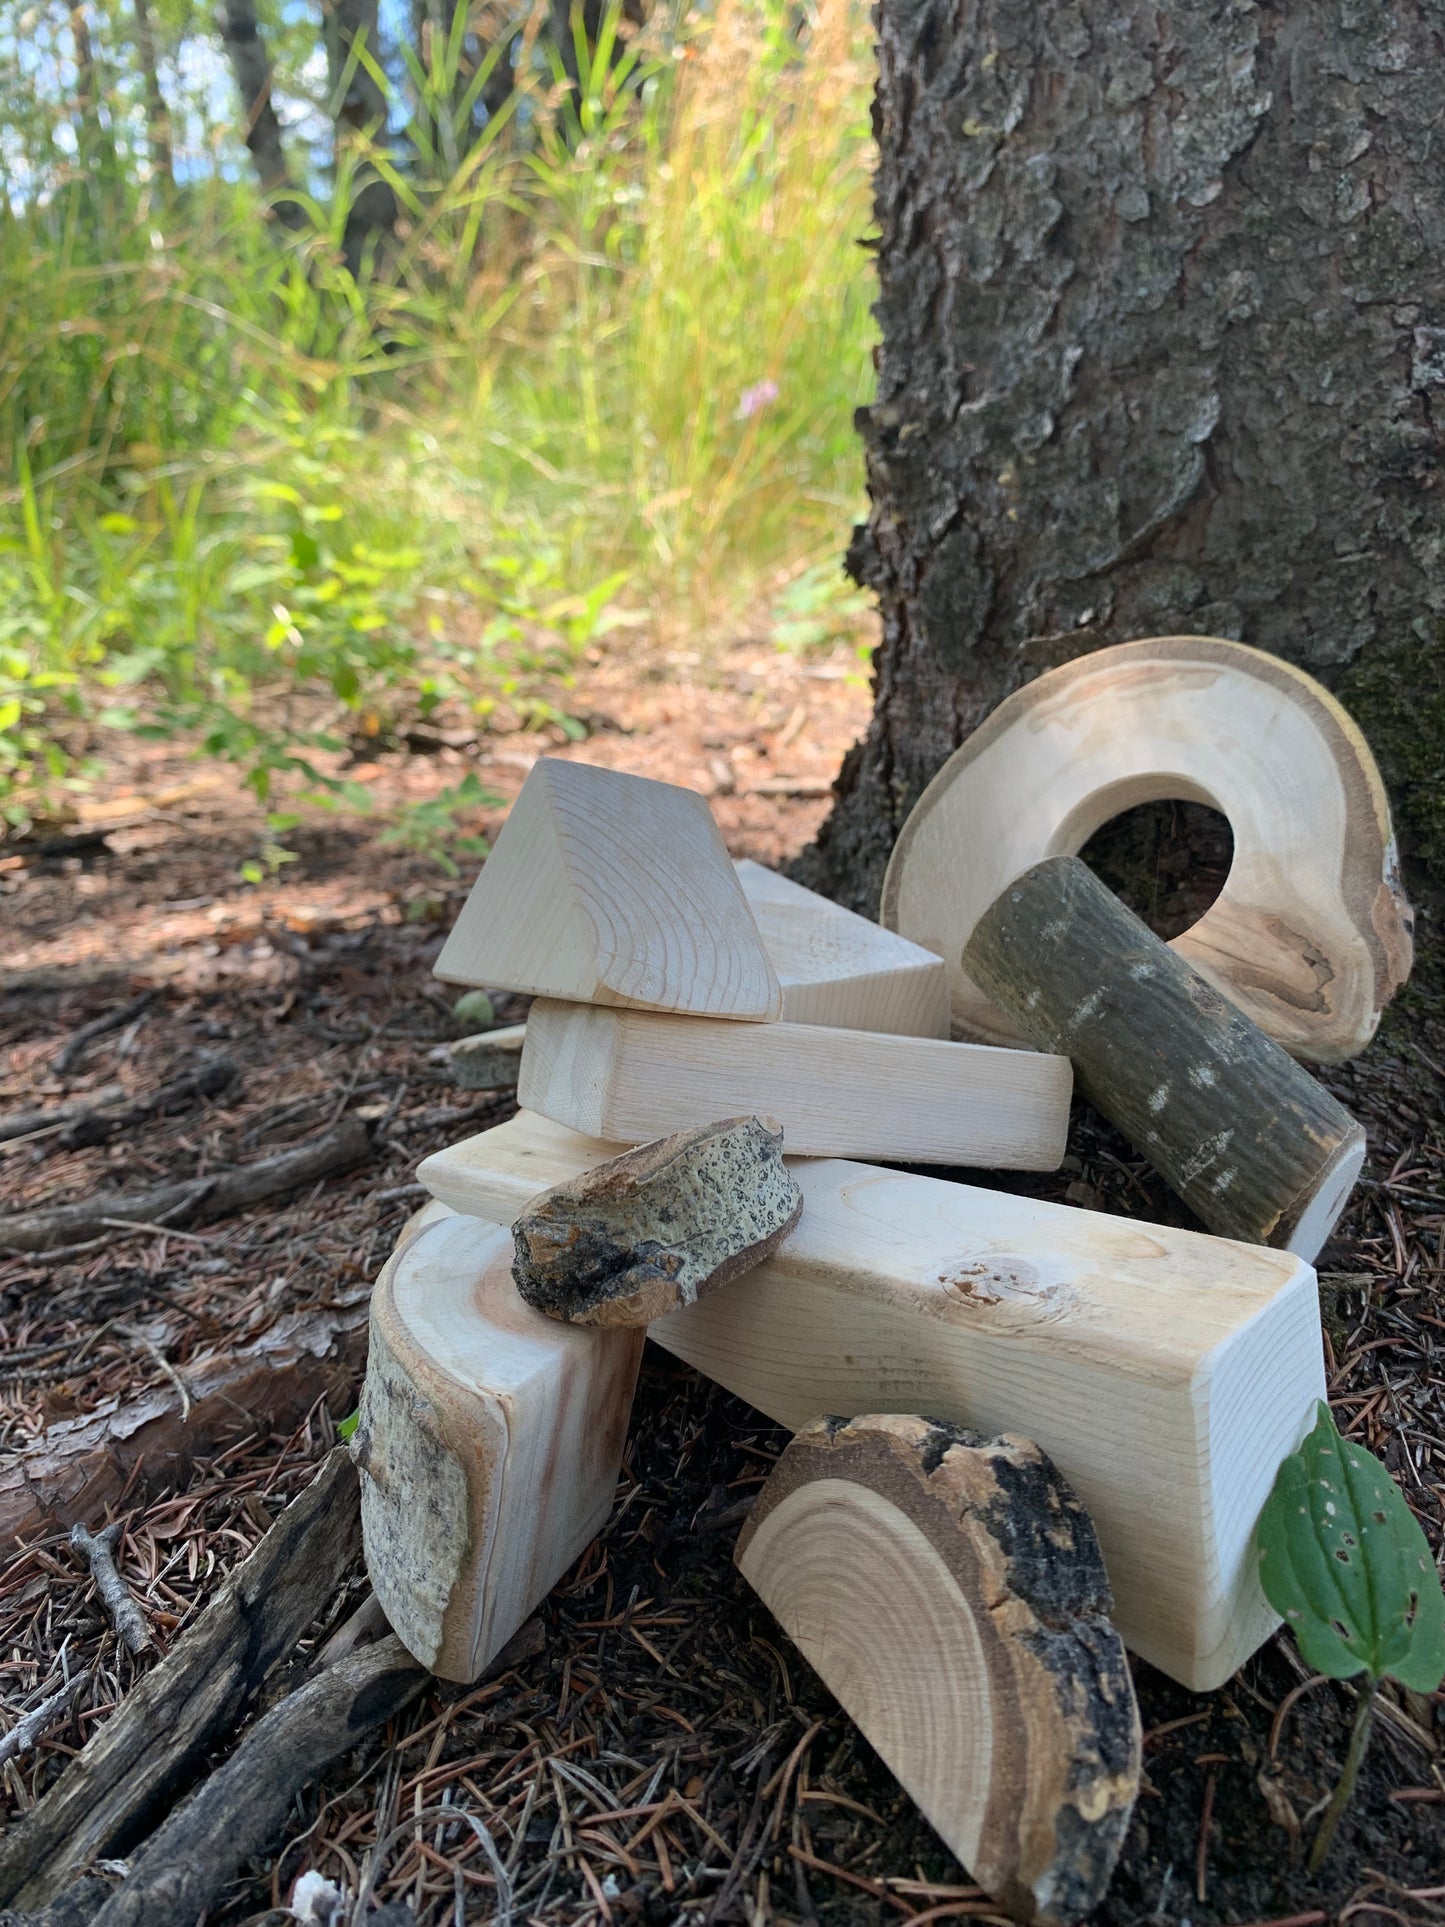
x,y
837,968
611,889
634,1075
488,1442
994,1684
1311,934
1166,1373
1255,1146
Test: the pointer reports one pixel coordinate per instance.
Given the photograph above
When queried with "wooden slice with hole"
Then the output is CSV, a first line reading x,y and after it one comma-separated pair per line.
x,y
949,1591
1311,934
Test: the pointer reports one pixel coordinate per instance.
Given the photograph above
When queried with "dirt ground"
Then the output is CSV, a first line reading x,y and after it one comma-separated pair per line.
x,y
662,1755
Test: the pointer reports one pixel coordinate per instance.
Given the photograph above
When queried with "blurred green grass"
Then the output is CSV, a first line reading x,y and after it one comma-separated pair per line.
x,y
605,379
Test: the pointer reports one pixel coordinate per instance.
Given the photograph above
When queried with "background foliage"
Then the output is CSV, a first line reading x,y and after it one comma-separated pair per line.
x,y
258,480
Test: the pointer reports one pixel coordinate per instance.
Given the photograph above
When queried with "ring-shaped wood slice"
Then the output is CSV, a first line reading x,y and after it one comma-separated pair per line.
x,y
1311,934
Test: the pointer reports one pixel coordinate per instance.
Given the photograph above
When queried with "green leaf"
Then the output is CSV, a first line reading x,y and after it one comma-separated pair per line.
x,y
1343,1558
345,1427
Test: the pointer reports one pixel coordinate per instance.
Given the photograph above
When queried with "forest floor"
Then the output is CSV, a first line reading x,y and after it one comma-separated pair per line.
x,y
662,1755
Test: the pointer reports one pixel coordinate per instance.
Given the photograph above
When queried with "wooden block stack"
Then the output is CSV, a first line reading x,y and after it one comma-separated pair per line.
x,y
1117,1393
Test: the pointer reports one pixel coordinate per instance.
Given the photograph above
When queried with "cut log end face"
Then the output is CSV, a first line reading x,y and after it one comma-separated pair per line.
x,y
658,1227
995,1685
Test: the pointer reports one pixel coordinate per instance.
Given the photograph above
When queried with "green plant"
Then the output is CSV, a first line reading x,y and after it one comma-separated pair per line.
x,y
1343,1558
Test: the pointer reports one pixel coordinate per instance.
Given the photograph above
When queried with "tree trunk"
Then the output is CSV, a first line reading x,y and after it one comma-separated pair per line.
x,y
158,120
358,111
261,128
1163,316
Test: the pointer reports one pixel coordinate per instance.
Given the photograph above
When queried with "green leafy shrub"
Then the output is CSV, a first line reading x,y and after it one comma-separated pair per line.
x,y
1344,1560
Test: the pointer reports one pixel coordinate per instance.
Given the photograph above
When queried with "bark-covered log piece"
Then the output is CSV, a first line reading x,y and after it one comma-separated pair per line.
x,y
1253,1145
197,1693
658,1227
239,1810
1161,302
489,1061
1311,933
950,1591
488,1442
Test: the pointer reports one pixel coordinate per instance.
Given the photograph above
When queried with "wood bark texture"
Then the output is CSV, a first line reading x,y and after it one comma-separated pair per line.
x,y
1162,300
260,124
240,1809
1253,1145
82,1465
489,1442
1132,1352
994,1685
1311,933
491,1060
612,889
178,1712
634,1075
839,969
658,1227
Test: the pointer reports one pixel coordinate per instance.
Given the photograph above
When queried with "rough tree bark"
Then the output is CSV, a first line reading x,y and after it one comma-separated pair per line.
x,y
261,126
1163,316
358,109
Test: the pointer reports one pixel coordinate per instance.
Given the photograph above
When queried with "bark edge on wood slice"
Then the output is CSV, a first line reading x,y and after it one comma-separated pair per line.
x,y
632,1075
1134,1354
837,968
994,1684
613,889
658,1227
1254,1145
488,1443
1311,935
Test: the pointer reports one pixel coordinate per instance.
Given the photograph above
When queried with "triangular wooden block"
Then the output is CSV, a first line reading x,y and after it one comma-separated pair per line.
x,y
1165,1373
610,889
839,969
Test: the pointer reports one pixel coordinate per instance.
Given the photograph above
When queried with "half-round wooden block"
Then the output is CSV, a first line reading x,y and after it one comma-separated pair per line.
x,y
488,1442
950,1592
1311,934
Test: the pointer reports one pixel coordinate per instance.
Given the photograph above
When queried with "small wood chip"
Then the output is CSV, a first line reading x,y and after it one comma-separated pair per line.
x,y
658,1227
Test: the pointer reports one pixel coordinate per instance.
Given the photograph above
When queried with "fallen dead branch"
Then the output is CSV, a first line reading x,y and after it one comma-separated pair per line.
x,y
242,1806
93,1126
22,1124
83,1465
178,1712
346,1144
30,1726
70,1053
98,1550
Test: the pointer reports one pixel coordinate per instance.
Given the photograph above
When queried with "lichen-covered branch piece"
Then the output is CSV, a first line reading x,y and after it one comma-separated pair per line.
x,y
658,1227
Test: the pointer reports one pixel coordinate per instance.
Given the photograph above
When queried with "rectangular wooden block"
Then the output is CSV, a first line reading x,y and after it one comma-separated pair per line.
x,y
837,968
630,1076
1165,1372
488,1441
611,889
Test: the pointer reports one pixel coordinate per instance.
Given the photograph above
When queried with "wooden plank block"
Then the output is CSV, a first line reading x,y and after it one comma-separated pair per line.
x,y
1255,1146
1311,934
837,968
611,889
488,1443
1165,1373
994,1684
635,1075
